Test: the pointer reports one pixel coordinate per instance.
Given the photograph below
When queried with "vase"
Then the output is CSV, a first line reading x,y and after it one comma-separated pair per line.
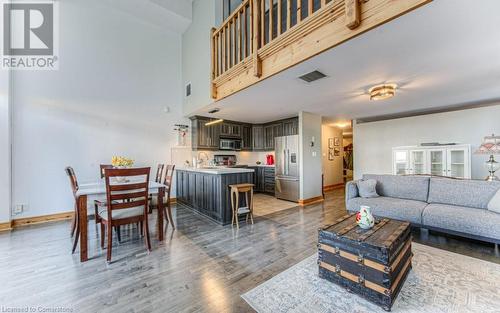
x,y
364,217
121,179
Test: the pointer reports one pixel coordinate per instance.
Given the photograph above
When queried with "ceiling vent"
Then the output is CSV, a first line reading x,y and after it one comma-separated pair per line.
x,y
310,77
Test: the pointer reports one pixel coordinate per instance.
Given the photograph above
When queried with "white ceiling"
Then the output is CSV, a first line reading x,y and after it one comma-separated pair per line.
x,y
446,53
172,15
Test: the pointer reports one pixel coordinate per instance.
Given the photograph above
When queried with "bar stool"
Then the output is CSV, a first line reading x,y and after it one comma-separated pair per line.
x,y
247,189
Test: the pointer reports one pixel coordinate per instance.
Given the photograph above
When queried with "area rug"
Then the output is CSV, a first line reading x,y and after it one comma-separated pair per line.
x,y
440,282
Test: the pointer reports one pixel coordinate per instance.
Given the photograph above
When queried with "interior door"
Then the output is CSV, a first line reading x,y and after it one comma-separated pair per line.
x,y
417,162
437,162
401,162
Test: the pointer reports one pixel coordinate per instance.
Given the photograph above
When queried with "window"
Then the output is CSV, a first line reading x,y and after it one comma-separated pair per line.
x,y
228,7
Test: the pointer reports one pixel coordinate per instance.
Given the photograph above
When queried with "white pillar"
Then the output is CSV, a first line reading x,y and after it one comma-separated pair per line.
x,y
310,166
5,147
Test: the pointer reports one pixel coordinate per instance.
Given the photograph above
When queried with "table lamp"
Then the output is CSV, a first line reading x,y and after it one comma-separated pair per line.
x,y
491,146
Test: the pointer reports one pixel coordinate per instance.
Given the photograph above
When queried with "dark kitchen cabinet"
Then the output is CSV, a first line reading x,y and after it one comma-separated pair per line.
x,y
246,137
258,137
270,132
264,179
205,136
230,130
291,127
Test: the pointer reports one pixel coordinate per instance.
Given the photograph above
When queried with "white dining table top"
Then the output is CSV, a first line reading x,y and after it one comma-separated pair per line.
x,y
99,188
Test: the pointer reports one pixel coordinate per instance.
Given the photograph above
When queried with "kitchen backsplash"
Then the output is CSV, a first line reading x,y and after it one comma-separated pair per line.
x,y
243,157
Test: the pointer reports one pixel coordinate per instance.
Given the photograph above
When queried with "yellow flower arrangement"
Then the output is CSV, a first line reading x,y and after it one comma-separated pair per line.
x,y
119,161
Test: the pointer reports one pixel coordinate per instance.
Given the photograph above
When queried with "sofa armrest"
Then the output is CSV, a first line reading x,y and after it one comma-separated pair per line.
x,y
351,190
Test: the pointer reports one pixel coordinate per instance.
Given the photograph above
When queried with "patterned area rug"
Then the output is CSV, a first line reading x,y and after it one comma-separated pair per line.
x,y
439,282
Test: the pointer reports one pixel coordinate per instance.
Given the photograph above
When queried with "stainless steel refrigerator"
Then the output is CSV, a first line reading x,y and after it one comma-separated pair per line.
x,y
287,167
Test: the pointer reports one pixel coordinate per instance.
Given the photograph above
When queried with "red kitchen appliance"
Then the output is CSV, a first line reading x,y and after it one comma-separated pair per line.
x,y
270,159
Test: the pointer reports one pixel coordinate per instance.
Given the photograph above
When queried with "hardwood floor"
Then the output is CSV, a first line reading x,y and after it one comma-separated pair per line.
x,y
201,267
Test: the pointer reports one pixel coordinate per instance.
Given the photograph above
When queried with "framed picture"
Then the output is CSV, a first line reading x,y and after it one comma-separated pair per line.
x,y
330,154
330,143
336,152
336,141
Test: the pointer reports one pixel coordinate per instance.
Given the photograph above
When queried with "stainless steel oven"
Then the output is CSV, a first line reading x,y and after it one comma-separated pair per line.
x,y
230,144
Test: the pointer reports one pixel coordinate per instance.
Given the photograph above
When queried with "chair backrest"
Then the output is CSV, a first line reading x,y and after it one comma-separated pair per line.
x,y
72,179
159,173
103,168
169,173
130,194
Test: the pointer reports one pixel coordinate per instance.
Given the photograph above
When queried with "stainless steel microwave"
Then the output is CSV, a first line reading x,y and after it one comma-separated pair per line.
x,y
230,144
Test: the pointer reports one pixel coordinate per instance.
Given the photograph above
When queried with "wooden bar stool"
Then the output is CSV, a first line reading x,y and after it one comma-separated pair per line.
x,y
247,189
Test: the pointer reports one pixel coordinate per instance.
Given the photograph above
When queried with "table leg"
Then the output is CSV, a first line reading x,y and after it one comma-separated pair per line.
x,y
161,195
82,220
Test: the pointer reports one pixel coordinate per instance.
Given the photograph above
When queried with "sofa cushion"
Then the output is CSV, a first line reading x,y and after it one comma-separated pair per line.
x,y
467,220
467,193
403,187
367,188
398,209
494,204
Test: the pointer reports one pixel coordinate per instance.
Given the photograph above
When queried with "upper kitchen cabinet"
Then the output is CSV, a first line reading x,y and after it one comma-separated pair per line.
x,y
230,130
204,137
291,127
246,137
270,132
258,137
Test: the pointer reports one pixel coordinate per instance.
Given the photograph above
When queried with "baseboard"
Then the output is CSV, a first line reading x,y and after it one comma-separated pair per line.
x,y
42,219
304,202
333,187
6,226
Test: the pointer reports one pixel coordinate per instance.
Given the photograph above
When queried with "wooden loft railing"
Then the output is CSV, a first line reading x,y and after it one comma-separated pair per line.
x,y
263,37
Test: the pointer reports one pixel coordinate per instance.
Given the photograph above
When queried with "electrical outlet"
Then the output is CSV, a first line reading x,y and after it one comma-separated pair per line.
x,y
19,208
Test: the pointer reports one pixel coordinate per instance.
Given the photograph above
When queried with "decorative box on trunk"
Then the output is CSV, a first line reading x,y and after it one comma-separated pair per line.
x,y
372,263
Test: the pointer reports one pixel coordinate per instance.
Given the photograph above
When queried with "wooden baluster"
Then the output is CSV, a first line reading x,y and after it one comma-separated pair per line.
x,y
240,36
279,17
262,22
256,19
235,41
352,13
271,20
247,50
288,14
223,44
323,3
214,52
310,8
299,11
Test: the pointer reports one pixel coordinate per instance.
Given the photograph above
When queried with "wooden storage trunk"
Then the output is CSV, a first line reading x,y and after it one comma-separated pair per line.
x,y
372,263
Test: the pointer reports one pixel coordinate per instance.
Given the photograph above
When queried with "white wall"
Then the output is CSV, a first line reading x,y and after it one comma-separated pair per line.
x,y
196,55
4,147
310,166
373,141
117,74
332,169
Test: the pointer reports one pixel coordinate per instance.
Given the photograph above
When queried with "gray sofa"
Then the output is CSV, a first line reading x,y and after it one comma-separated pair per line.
x,y
458,207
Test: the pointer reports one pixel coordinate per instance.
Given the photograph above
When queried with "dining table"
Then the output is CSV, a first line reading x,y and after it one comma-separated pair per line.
x,y
97,191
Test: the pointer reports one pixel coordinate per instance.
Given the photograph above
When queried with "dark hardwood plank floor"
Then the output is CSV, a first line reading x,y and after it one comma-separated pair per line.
x,y
201,267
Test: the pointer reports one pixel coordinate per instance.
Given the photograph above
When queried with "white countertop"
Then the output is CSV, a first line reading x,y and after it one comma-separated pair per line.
x,y
262,165
217,171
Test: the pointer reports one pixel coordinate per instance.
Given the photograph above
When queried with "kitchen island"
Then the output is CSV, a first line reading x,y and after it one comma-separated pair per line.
x,y
206,190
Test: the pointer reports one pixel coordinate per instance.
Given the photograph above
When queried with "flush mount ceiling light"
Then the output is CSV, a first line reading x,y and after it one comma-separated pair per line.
x,y
214,122
382,92
215,110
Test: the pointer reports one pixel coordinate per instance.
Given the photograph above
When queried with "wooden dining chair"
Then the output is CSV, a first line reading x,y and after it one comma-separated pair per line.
x,y
75,227
159,175
169,174
127,203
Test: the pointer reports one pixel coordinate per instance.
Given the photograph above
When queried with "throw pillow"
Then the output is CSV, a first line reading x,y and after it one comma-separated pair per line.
x,y
494,204
367,188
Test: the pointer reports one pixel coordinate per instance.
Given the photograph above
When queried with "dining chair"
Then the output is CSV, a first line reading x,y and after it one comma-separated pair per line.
x,y
75,227
169,174
127,203
159,174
